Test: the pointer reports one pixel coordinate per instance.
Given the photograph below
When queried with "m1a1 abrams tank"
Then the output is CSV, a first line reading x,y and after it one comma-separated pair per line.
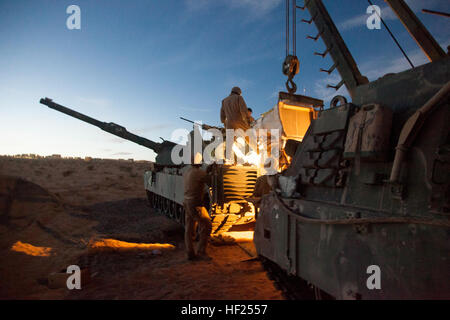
x,y
164,181
232,185
368,217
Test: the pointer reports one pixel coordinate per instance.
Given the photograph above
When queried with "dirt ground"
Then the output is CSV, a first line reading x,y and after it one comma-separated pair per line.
x,y
53,212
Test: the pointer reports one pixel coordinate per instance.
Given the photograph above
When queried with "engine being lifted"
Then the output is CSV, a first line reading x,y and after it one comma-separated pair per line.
x,y
231,196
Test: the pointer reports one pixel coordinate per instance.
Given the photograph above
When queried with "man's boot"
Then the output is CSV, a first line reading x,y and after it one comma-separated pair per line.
x,y
191,256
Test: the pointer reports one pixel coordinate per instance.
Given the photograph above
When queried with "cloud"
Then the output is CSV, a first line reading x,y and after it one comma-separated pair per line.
x,y
386,13
257,8
360,20
380,67
326,94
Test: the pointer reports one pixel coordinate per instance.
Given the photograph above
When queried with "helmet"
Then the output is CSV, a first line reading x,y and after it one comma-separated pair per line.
x,y
236,90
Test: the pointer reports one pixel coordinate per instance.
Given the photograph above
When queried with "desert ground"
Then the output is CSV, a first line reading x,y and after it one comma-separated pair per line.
x,y
56,212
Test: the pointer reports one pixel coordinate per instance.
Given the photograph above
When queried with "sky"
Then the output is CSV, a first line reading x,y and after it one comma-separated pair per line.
x,y
145,63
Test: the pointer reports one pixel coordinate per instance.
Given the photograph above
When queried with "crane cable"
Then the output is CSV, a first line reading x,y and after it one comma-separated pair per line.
x,y
287,28
392,36
294,27
291,63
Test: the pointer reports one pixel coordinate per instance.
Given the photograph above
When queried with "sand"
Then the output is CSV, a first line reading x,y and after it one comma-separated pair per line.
x,y
59,212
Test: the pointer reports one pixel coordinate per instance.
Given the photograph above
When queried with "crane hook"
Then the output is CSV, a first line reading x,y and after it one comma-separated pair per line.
x,y
291,66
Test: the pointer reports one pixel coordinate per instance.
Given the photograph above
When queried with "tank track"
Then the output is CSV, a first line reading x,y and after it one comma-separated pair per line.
x,y
223,223
174,211
292,287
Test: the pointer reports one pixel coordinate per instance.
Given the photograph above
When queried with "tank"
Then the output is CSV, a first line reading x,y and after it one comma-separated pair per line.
x,y
163,182
230,200
362,211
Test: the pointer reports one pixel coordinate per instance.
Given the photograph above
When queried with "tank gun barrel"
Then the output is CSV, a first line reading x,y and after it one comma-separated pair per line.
x,y
110,127
203,126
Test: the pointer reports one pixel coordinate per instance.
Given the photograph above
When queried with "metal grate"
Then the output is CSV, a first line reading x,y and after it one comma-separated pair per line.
x,y
238,182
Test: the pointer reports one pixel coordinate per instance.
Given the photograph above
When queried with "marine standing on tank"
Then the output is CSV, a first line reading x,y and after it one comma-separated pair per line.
x,y
235,115
234,112
195,180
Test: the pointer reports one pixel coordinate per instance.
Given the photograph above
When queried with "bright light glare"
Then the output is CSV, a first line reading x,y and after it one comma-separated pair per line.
x,y
122,245
31,250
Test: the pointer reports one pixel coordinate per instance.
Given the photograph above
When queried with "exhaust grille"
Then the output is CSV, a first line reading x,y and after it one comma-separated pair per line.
x,y
238,182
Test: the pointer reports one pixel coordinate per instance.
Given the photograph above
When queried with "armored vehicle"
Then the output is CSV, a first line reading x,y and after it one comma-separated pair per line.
x,y
359,208
228,199
368,216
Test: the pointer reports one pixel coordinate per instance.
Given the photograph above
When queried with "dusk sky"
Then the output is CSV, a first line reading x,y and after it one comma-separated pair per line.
x,y
144,63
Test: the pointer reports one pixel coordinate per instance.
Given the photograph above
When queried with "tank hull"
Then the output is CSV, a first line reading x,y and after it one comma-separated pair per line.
x,y
225,200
